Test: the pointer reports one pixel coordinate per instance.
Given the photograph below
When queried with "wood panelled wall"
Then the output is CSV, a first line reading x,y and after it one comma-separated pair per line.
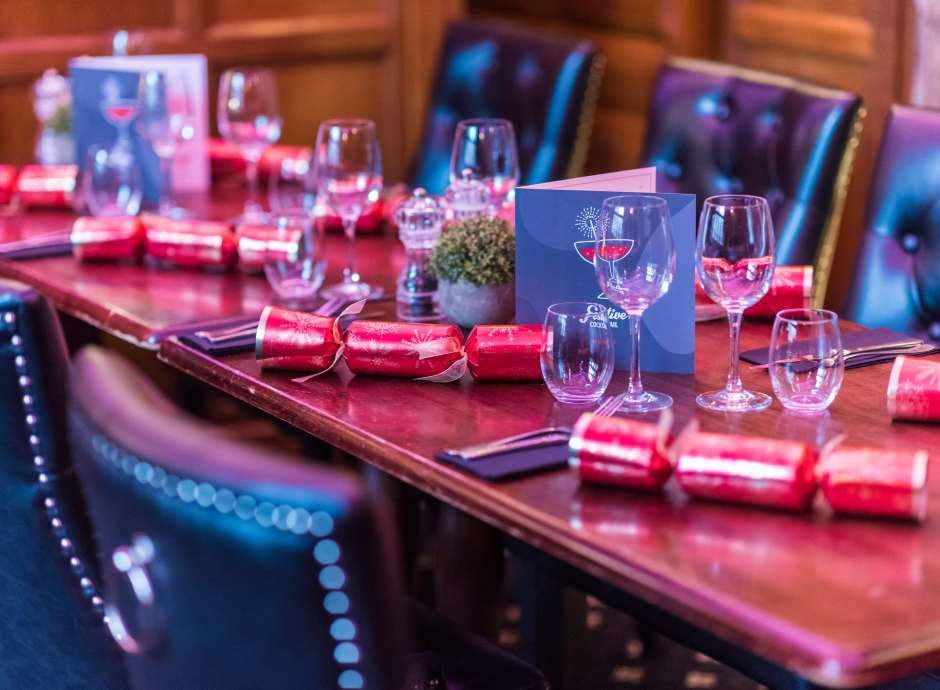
x,y
368,58
853,44
375,58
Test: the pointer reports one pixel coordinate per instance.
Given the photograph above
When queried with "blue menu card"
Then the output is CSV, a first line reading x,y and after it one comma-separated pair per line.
x,y
555,232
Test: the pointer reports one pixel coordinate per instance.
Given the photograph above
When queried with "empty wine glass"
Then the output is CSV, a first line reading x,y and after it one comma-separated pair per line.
x,y
487,148
249,116
734,257
164,121
111,182
349,178
635,260
293,263
292,185
806,359
577,355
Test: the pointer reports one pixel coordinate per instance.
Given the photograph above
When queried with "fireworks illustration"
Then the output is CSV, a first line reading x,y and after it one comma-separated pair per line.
x,y
587,221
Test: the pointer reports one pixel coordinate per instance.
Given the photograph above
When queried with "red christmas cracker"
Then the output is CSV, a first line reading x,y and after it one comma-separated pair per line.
x,y
103,239
914,390
745,469
505,353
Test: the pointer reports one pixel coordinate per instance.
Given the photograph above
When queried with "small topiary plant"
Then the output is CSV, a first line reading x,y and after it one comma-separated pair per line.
x,y
481,251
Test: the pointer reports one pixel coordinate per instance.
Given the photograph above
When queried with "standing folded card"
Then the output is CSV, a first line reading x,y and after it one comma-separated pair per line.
x,y
556,227
105,107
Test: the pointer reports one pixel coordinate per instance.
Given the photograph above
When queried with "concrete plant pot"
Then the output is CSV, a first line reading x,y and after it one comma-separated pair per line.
x,y
470,304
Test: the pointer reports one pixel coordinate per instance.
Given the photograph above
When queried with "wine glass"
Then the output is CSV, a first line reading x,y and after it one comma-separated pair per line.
x,y
635,260
349,178
486,147
292,185
249,116
164,120
734,257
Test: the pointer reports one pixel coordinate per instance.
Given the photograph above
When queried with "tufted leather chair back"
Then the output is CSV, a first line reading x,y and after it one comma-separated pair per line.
x,y
545,84
51,635
896,282
226,566
716,129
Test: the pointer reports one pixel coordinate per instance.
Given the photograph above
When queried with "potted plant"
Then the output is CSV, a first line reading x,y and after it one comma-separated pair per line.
x,y
475,263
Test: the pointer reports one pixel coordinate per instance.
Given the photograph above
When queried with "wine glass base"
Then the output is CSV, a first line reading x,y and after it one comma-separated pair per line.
x,y
725,401
645,402
351,291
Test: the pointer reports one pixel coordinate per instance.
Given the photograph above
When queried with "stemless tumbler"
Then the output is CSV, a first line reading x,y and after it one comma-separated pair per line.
x,y
111,182
293,263
734,256
806,359
577,355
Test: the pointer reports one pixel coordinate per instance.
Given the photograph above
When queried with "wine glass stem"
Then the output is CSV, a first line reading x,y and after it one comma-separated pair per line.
x,y
350,275
734,384
251,174
635,384
166,186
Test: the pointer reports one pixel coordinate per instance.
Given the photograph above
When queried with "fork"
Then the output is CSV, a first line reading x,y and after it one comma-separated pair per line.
x,y
537,438
848,354
328,308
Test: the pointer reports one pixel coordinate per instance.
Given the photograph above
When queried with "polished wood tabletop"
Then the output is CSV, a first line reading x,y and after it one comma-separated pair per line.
x,y
839,601
145,305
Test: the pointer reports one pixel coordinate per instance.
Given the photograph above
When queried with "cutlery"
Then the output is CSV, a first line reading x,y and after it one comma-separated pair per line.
x,y
537,438
896,348
328,308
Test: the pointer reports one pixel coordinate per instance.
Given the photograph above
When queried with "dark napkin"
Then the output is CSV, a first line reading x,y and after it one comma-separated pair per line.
x,y
512,464
39,251
229,346
850,340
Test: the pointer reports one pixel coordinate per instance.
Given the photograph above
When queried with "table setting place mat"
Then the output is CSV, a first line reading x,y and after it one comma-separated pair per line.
x,y
859,340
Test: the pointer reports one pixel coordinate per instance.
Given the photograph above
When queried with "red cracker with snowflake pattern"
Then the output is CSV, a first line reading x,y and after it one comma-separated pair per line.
x,y
914,390
889,482
505,353
744,469
407,350
791,288
296,340
106,239
621,452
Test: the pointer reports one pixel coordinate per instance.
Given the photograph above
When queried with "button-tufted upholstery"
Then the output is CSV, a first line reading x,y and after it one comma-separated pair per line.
x,y
51,636
545,84
715,129
896,282
267,571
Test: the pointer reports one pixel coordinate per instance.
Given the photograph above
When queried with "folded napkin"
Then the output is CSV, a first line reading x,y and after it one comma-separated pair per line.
x,y
219,348
851,340
511,464
37,251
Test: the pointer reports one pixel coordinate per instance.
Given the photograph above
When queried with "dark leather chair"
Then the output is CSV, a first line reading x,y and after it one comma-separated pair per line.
x,y
896,282
545,84
230,567
715,129
51,631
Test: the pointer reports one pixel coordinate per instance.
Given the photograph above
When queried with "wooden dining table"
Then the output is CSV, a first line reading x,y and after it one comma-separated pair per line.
x,y
794,600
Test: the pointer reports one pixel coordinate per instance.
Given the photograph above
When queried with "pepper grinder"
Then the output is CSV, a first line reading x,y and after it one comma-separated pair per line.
x,y
420,219
467,197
